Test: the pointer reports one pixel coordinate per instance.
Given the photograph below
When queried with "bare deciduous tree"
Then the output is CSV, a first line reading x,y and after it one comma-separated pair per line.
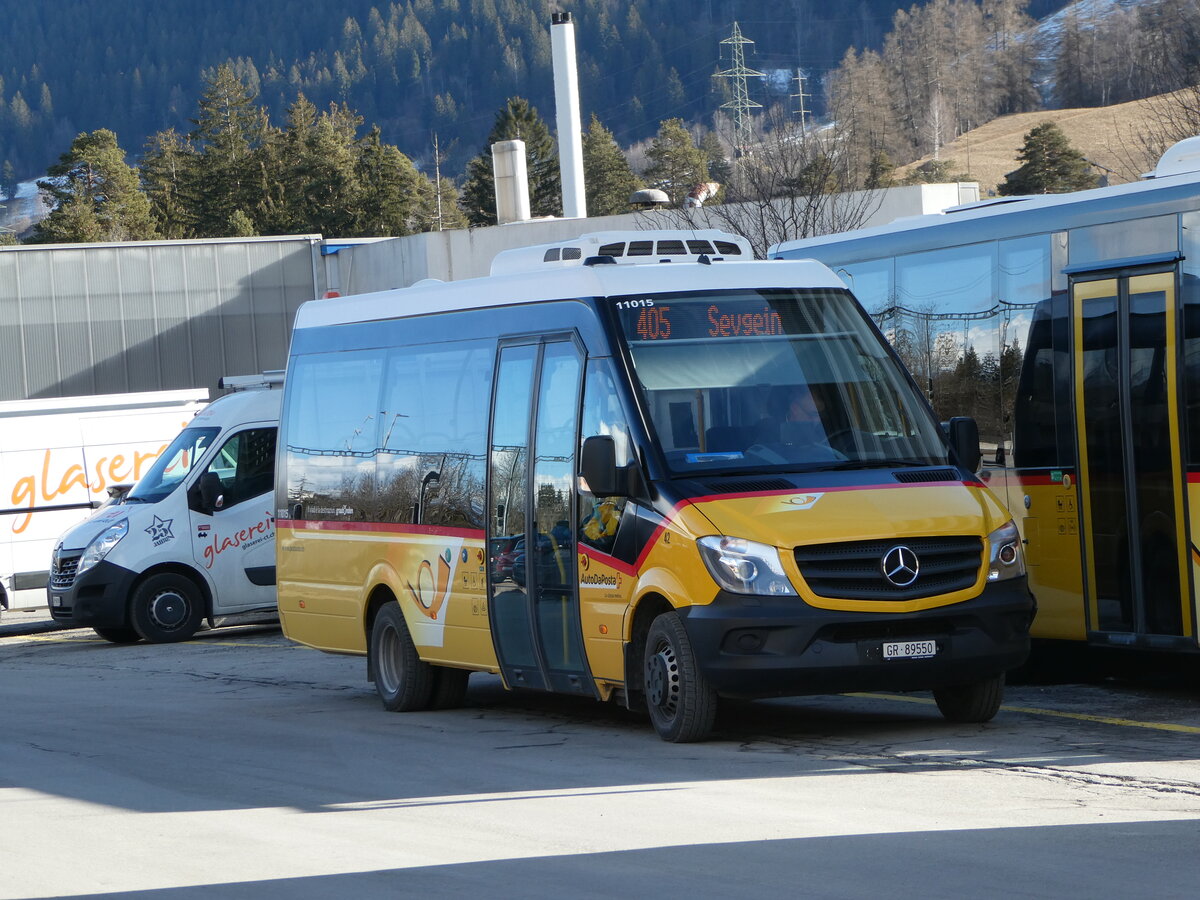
x,y
797,183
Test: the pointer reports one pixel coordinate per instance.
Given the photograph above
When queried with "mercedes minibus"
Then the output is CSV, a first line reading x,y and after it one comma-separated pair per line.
x,y
721,480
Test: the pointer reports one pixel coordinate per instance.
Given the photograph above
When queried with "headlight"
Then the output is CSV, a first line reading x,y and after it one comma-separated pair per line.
x,y
1007,560
744,567
102,545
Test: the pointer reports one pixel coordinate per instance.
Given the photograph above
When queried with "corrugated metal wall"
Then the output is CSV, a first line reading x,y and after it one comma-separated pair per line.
x,y
114,318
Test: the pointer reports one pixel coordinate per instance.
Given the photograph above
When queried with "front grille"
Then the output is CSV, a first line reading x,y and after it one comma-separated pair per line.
x,y
916,476
756,486
853,570
62,572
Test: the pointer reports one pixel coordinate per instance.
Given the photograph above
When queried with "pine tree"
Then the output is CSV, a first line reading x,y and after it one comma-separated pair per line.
x,y
96,195
168,175
8,180
609,180
676,163
229,131
516,121
390,190
1049,165
318,182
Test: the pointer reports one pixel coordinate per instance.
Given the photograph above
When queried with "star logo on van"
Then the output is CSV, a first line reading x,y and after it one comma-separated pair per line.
x,y
160,531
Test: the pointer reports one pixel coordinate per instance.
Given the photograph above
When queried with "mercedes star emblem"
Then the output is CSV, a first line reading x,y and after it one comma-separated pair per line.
x,y
900,566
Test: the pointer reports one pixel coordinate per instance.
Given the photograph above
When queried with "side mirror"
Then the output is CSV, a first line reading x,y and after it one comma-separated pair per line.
x,y
598,465
964,439
211,496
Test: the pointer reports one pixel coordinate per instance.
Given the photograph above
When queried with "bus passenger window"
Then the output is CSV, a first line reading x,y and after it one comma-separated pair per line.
x,y
602,414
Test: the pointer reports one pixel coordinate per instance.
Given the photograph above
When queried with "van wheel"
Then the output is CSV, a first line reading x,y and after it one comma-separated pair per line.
x,y
403,682
681,703
118,635
449,687
166,608
978,702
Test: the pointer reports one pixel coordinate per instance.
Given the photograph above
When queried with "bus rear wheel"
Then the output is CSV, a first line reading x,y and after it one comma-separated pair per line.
x,y
449,687
682,704
976,702
404,683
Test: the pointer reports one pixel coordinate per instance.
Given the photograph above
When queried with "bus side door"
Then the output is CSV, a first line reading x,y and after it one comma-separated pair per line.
x,y
535,616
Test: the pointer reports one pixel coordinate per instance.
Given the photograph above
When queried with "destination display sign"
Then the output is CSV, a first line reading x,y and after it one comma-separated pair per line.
x,y
664,319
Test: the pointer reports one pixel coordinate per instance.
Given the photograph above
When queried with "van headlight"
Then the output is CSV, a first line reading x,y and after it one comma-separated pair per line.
x,y
102,545
744,567
1007,559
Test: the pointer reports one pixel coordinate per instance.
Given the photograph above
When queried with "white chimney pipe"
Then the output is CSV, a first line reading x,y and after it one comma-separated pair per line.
x,y
512,181
566,103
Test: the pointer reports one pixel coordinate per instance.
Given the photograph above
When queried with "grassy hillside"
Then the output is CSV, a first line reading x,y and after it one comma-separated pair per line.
x,y
1107,135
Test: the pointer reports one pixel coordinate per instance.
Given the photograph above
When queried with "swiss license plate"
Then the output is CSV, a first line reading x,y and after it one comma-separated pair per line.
x,y
909,649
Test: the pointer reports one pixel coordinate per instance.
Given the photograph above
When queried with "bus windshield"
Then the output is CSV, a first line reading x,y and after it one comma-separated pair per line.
x,y
772,379
172,465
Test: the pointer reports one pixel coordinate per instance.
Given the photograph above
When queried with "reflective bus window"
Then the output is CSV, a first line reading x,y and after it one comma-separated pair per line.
x,y
957,279
434,415
871,282
1024,269
1123,240
336,431
602,415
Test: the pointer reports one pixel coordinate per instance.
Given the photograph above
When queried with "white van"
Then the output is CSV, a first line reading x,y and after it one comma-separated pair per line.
x,y
193,540
61,458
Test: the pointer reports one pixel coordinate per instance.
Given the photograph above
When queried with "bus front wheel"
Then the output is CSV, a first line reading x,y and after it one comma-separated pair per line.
x,y
681,703
404,683
977,702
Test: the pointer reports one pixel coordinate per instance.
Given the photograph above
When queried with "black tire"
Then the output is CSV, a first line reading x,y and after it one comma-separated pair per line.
x,y
115,635
449,687
166,608
404,683
977,702
681,703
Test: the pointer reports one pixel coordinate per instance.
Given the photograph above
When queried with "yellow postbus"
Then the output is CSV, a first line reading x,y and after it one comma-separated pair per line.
x,y
1094,296
660,484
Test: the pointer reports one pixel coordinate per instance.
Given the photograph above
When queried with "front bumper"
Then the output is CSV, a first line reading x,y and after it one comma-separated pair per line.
x,y
779,647
97,598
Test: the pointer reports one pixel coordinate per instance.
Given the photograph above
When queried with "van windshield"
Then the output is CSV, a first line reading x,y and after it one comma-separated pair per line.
x,y
773,379
172,465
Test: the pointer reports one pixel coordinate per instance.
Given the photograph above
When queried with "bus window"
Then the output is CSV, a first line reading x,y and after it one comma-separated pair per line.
x,y
434,410
334,439
599,517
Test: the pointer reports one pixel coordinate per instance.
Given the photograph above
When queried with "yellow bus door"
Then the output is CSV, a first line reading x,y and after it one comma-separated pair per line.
x,y
534,601
1131,490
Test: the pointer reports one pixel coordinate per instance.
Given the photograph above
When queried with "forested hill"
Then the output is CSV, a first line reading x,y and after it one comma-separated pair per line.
x,y
414,67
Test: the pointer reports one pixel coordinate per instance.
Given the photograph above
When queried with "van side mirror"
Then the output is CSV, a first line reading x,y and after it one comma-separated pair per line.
x,y
211,492
964,439
598,466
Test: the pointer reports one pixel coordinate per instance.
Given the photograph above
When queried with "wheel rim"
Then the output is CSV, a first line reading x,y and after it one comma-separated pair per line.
x,y
662,680
389,668
169,610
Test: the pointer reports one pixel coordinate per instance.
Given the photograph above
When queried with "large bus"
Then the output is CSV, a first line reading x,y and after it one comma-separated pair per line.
x,y
712,474
1094,298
